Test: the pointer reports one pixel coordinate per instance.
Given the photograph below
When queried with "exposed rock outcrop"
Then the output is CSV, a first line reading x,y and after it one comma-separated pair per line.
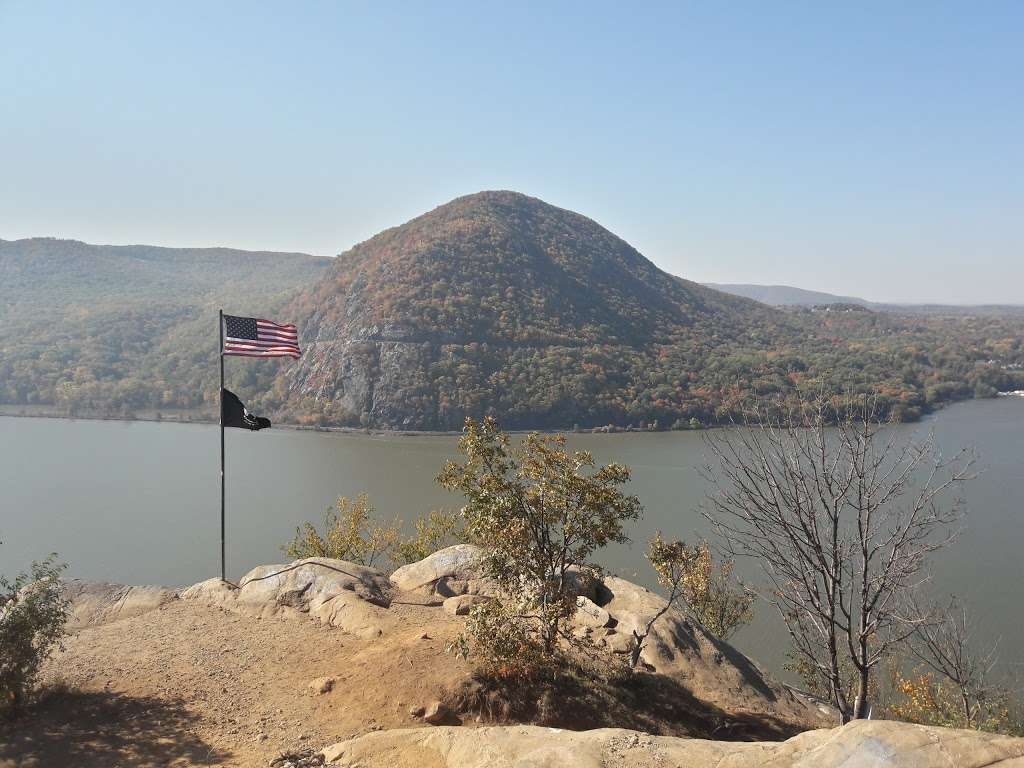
x,y
356,600
460,605
308,584
213,592
94,603
860,744
588,614
712,669
456,570
351,597
446,573
719,685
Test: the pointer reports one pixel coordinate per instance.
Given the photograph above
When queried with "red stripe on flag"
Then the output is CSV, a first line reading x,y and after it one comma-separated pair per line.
x,y
272,340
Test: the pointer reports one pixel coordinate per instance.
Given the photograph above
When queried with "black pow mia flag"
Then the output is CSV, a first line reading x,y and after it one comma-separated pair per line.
x,y
235,414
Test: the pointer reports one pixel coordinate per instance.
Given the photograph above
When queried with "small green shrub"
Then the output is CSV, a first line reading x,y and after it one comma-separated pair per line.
x,y
437,529
33,613
351,532
501,642
713,596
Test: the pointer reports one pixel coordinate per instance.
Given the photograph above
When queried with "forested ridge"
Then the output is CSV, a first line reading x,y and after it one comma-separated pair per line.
x,y
493,303
117,330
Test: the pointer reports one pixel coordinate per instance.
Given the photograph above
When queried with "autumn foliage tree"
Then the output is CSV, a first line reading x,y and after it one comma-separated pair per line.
x,y
540,512
350,532
953,682
713,595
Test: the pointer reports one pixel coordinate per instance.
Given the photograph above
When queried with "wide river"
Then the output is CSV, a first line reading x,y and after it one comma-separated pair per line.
x,y
138,502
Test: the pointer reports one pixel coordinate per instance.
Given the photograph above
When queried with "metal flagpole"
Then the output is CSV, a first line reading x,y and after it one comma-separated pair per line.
x,y
222,567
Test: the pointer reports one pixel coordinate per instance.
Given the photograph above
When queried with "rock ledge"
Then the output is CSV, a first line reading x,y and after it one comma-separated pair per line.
x,y
861,744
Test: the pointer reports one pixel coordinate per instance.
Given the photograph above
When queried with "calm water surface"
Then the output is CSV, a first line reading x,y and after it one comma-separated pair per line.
x,y
138,502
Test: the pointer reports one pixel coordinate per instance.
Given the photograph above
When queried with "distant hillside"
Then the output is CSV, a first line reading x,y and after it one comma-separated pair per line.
x,y
102,329
501,303
953,310
784,295
495,303
506,268
53,271
788,296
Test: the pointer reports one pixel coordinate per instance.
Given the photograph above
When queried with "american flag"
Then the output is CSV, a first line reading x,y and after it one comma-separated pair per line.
x,y
252,337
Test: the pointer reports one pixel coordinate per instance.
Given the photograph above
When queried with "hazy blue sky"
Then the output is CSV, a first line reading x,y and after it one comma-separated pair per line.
x,y
875,148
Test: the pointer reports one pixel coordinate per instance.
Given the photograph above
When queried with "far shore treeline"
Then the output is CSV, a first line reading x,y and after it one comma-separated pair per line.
x,y
495,303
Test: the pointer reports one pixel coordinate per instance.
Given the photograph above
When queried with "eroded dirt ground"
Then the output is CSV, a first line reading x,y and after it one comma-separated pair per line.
x,y
192,685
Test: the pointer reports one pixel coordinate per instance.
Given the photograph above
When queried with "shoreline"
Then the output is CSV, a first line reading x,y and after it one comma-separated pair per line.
x,y
9,412
375,432
210,423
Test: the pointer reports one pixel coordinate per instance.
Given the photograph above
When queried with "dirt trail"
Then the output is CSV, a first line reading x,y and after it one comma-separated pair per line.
x,y
191,685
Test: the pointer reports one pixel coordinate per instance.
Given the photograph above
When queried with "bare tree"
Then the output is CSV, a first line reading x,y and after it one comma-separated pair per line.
x,y
841,513
947,646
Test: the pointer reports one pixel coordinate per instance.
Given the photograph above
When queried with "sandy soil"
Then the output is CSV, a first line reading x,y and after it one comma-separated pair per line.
x,y
190,685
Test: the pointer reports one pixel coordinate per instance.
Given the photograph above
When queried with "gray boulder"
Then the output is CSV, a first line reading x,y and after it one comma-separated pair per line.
x,y
354,615
583,582
212,592
589,614
305,585
456,571
446,572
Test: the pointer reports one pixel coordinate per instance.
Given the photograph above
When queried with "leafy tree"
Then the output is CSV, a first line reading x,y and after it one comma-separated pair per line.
x,y
930,698
33,613
720,602
539,511
671,561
